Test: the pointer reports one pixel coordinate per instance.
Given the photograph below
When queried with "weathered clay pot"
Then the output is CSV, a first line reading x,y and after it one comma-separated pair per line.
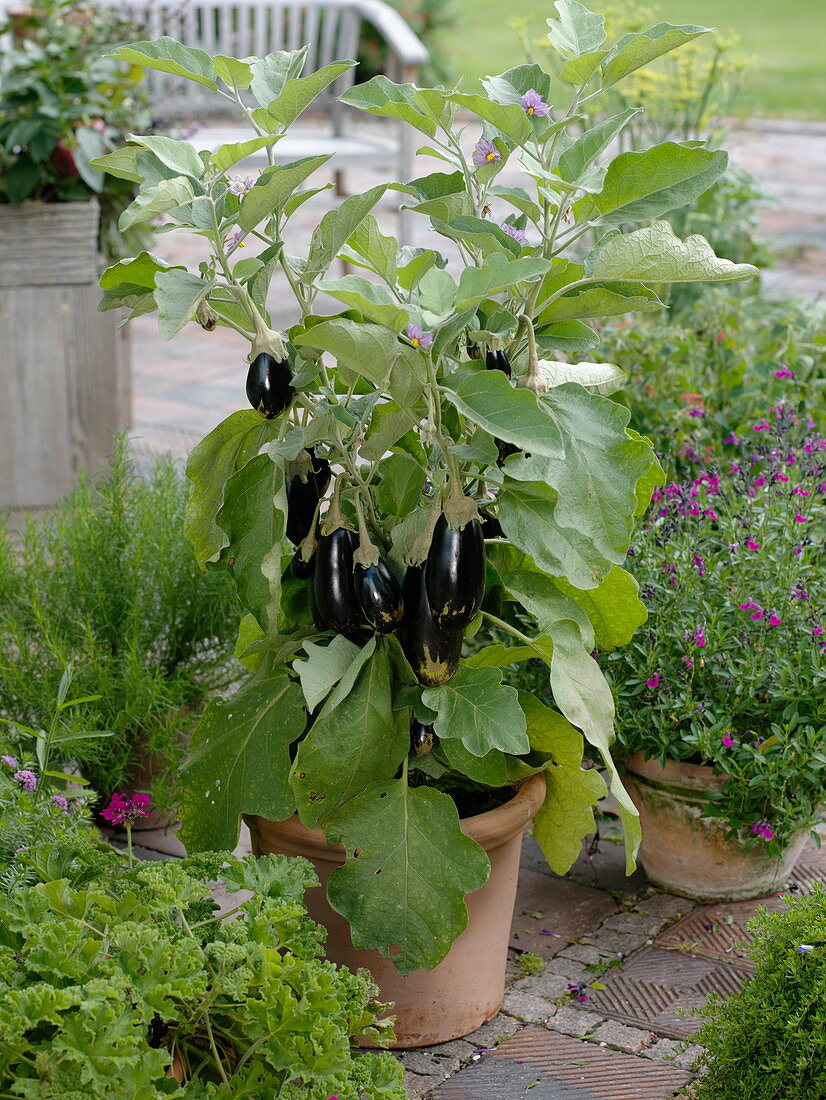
x,y
687,853
466,989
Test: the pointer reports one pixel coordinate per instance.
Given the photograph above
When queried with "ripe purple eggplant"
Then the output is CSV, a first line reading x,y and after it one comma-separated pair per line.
x,y
269,385
334,583
303,495
455,573
498,360
422,737
302,570
380,597
433,653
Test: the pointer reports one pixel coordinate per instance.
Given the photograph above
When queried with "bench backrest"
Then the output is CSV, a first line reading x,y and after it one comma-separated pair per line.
x,y
244,28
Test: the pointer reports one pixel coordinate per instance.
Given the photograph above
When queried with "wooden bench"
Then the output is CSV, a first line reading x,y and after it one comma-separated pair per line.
x,y
331,29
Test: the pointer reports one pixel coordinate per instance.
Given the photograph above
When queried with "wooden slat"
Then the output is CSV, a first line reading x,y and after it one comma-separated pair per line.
x,y
44,244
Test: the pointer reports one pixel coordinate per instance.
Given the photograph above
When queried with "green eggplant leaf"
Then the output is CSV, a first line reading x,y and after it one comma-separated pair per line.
x,y
239,762
583,151
475,707
408,869
517,416
253,516
490,769
180,156
494,274
168,56
225,156
567,814
634,50
370,244
374,301
369,351
160,198
575,30
270,74
178,293
324,667
655,254
211,463
332,232
273,188
400,488
296,96
355,741
508,118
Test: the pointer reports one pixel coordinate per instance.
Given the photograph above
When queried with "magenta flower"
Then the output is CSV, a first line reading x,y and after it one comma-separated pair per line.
x,y
418,337
774,619
654,682
61,802
784,373
699,637
798,492
757,614
517,234
123,810
485,153
749,606
727,740
699,564
10,762
800,518
241,185
688,662
26,779
752,545
763,829
817,631
762,426
533,104
759,482
731,439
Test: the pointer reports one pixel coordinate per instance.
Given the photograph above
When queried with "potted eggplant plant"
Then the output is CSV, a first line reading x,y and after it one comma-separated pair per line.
x,y
418,471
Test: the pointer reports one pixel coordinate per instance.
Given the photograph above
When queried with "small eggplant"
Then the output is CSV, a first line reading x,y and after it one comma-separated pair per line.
x,y
491,527
303,496
380,597
505,450
455,573
422,737
433,653
334,583
302,570
473,350
269,385
498,360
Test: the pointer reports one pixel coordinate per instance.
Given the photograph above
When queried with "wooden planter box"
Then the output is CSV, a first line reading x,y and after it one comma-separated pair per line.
x,y
64,367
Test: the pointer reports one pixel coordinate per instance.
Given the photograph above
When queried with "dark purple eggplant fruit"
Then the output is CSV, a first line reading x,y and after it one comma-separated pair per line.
x,y
302,570
491,527
334,583
315,614
422,737
433,653
505,450
498,360
303,497
473,350
269,385
455,573
380,597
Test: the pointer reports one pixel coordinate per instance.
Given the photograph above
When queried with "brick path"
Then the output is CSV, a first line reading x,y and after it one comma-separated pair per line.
x,y
654,954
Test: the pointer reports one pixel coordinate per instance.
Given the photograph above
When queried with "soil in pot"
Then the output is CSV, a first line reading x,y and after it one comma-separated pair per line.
x,y
466,989
688,853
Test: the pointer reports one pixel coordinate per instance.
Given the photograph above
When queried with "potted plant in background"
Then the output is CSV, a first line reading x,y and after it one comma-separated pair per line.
x,y
411,472
61,105
722,693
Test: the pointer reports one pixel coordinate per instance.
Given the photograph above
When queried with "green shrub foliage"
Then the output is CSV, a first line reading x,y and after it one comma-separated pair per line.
x,y
768,1042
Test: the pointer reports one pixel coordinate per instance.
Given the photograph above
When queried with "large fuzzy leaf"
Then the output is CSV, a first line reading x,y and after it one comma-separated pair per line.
x,y
355,741
211,463
408,869
168,56
654,253
635,50
240,761
478,709
614,607
272,189
324,667
575,30
488,399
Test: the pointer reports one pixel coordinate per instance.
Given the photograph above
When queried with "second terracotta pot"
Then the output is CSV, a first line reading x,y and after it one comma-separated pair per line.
x,y
466,989
688,853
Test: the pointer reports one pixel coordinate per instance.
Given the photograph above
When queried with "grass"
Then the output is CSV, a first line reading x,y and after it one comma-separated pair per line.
x,y
784,41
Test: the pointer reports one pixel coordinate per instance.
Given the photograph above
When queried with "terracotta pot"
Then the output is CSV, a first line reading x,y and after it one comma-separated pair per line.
x,y
687,853
466,989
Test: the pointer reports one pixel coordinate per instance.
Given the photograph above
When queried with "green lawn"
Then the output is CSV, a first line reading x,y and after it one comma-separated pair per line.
x,y
786,38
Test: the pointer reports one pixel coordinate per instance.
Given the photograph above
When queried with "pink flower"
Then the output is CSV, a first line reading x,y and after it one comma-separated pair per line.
x,y
699,637
418,337
485,153
817,631
800,518
763,829
758,614
798,492
774,619
752,545
10,762
533,104
654,682
759,482
710,513
748,606
727,740
26,779
688,662
123,810
61,802
784,373
732,439
517,234
762,426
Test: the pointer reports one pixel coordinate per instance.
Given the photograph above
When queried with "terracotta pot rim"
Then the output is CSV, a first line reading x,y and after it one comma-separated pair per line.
x,y
490,829
676,773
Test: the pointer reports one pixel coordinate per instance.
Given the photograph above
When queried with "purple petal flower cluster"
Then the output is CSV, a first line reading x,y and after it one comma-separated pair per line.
x,y
26,779
61,802
10,762
533,104
125,810
485,153
763,829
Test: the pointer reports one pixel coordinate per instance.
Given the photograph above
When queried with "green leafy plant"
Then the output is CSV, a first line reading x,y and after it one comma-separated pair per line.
x,y
406,395
769,1040
123,982
729,669
61,105
106,584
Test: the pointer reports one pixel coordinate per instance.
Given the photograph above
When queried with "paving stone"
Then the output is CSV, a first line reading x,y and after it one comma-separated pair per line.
x,y
718,931
161,840
605,870
572,1021
664,1050
582,952
615,1034
689,1055
528,1007
544,1065
636,924
655,988
492,1033
571,969
666,906
548,985
609,942
425,1063
552,912
456,1048
418,1086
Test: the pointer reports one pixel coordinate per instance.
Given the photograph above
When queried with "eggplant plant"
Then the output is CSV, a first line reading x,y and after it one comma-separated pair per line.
x,y
479,481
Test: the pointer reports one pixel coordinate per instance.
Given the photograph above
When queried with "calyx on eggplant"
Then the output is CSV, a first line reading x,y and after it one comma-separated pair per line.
x,y
378,592
334,585
456,564
269,378
306,487
433,653
422,737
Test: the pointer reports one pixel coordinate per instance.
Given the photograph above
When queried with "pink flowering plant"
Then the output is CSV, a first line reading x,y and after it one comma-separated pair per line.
x,y
730,668
434,381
